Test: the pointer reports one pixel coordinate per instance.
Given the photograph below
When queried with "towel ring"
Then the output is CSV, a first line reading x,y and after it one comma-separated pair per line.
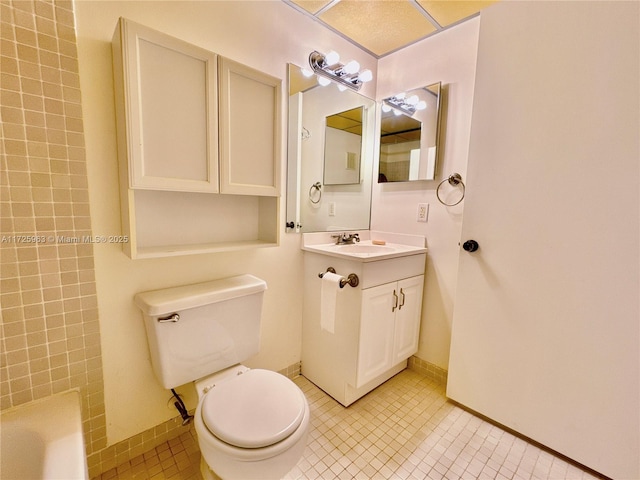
x,y
318,187
454,179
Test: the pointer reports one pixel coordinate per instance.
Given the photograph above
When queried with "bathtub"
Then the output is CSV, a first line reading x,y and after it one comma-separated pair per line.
x,y
43,440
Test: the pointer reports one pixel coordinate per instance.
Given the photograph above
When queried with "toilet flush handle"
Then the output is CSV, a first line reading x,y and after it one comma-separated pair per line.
x,y
173,318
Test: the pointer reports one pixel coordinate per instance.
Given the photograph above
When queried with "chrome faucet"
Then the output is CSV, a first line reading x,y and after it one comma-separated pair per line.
x,y
346,238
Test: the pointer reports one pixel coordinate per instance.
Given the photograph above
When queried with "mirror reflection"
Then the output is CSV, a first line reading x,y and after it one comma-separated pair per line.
x,y
409,135
331,138
342,146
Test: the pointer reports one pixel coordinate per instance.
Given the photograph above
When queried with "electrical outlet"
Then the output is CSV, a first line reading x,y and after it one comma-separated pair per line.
x,y
423,212
332,209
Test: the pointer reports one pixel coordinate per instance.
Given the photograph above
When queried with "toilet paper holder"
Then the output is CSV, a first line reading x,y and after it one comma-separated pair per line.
x,y
352,279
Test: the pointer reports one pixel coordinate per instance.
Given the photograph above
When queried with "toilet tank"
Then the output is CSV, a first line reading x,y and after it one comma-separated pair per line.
x,y
196,330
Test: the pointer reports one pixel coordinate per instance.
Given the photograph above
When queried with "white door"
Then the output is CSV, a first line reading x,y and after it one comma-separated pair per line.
x,y
546,333
376,331
407,326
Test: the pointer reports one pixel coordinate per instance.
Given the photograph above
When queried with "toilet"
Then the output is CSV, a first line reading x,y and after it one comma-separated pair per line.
x,y
251,423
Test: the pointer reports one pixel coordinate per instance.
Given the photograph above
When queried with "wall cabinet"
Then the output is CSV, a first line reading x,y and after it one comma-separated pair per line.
x,y
198,146
389,326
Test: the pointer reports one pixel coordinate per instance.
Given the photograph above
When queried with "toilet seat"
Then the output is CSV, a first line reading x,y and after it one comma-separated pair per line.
x,y
253,410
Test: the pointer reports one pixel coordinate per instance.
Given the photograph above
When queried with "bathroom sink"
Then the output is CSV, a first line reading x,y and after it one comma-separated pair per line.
x,y
365,250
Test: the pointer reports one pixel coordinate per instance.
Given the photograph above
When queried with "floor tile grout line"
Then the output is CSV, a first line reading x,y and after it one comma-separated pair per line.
x,y
405,430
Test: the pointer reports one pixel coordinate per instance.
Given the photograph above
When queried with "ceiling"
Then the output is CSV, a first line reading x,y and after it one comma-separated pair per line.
x,y
384,26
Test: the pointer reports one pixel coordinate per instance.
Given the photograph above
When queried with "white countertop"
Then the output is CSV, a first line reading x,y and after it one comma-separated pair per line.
x,y
373,245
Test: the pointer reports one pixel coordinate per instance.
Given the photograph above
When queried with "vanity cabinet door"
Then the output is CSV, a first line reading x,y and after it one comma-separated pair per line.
x,y
375,351
250,106
407,324
389,326
168,116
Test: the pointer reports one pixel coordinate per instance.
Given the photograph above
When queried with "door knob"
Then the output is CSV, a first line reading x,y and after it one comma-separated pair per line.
x,y
470,245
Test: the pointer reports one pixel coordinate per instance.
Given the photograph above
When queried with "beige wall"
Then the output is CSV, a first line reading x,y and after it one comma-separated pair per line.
x,y
49,318
45,189
450,58
262,35
49,297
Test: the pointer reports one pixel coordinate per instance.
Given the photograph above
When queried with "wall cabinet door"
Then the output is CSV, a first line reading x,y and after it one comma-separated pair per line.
x,y
249,130
389,326
169,113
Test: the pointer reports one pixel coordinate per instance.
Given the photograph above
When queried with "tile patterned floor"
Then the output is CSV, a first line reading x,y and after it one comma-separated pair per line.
x,y
405,430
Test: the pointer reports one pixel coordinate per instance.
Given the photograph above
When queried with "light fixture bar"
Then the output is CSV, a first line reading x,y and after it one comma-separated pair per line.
x,y
400,104
337,72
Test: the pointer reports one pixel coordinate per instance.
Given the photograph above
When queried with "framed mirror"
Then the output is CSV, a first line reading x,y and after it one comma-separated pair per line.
x,y
331,141
409,135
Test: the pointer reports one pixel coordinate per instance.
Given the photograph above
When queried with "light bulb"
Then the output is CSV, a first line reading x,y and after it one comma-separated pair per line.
x,y
307,73
332,58
323,81
386,108
342,88
421,105
412,100
397,113
365,76
400,96
351,67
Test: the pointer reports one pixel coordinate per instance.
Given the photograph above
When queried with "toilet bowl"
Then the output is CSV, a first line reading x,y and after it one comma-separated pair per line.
x,y
251,424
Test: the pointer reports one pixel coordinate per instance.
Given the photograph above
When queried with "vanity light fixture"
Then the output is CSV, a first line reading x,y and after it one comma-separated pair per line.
x,y
399,103
329,67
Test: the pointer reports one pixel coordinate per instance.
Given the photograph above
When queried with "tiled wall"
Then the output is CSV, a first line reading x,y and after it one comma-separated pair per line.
x,y
395,171
429,370
50,336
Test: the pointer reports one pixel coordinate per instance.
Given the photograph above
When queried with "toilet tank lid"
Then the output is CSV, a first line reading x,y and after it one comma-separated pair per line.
x,y
168,300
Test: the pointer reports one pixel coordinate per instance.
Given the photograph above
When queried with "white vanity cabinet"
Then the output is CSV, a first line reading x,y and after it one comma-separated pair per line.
x,y
375,325
389,326
198,147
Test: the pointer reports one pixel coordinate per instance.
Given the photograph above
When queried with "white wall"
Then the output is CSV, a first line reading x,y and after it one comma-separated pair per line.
x,y
262,35
449,57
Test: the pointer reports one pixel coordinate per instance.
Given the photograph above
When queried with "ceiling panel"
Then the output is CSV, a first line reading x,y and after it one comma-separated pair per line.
x,y
312,6
384,26
450,12
381,26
